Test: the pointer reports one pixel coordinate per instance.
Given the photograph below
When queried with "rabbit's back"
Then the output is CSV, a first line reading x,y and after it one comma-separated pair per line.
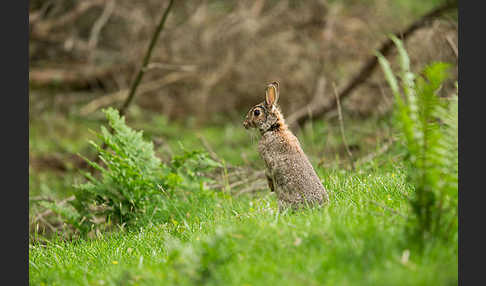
x,y
294,177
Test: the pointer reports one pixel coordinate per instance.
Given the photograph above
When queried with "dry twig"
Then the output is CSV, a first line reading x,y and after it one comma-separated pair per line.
x,y
313,106
49,212
256,186
452,45
373,155
99,24
42,29
341,126
146,60
210,150
80,77
123,94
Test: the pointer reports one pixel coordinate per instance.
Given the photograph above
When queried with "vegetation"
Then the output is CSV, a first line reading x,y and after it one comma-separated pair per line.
x,y
429,126
245,241
134,185
207,236
172,192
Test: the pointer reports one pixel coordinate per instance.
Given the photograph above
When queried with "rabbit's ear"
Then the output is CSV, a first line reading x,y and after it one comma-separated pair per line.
x,y
271,96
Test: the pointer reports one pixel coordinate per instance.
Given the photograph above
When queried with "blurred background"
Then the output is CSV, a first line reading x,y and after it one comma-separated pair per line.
x,y
210,65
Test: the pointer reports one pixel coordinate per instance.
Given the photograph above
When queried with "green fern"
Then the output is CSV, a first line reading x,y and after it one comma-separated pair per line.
x,y
429,128
127,184
130,185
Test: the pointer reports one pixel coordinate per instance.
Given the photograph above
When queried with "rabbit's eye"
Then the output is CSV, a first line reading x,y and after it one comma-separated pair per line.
x,y
256,112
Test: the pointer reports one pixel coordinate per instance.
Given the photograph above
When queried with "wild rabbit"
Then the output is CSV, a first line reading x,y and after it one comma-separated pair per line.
x,y
288,170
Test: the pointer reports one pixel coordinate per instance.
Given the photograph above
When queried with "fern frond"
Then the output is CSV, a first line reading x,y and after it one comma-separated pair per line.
x,y
429,125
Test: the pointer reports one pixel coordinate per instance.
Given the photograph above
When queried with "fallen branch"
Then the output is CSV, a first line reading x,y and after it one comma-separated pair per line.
x,y
40,199
57,162
256,186
51,227
372,62
48,212
250,177
82,77
123,94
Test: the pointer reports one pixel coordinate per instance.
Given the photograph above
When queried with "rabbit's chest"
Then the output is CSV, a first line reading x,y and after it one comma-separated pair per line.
x,y
279,160
293,177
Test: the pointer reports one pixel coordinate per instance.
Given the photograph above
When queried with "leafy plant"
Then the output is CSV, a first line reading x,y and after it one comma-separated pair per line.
x,y
429,125
186,171
132,186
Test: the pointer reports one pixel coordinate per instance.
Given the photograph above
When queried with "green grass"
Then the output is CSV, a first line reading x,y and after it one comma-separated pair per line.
x,y
244,241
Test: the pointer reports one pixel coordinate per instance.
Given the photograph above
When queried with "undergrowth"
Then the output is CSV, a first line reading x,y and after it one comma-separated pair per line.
x,y
429,126
130,186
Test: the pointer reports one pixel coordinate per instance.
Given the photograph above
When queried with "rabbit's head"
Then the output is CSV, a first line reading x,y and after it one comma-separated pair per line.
x,y
265,115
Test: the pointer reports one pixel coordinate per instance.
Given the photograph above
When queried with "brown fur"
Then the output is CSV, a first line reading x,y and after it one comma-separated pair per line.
x,y
288,170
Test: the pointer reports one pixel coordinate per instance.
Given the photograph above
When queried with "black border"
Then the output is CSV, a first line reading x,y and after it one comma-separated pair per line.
x,y
471,124
14,28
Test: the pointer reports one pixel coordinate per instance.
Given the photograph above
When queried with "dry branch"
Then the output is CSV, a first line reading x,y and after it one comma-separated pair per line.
x,y
56,162
80,77
370,65
42,29
49,212
208,147
99,24
341,127
316,102
146,60
452,45
371,156
123,94
256,186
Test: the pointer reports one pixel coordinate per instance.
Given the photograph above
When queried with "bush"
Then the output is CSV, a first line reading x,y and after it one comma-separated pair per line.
x,y
133,186
429,125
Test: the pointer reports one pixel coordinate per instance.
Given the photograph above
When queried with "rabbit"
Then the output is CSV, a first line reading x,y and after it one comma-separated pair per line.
x,y
288,170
